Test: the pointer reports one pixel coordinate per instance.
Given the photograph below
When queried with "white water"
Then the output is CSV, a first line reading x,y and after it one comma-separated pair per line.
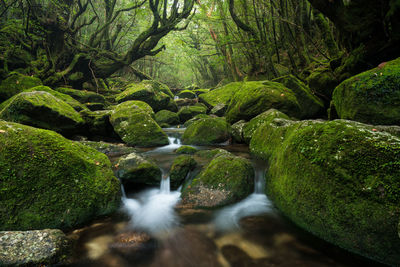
x,y
257,203
174,143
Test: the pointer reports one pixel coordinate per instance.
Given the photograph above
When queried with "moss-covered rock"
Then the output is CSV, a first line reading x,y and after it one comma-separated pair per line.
x,y
310,105
265,117
64,97
339,180
97,124
132,121
134,169
82,96
47,181
186,150
188,112
219,109
167,117
180,168
322,82
207,131
34,248
187,94
225,180
43,110
15,84
254,98
237,131
150,92
220,95
195,118
372,96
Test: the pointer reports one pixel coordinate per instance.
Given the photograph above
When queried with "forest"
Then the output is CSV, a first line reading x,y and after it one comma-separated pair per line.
x,y
199,133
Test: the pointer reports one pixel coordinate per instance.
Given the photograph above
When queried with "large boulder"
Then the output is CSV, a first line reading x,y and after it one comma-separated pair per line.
x,y
166,117
188,112
207,131
310,105
254,123
33,248
64,97
97,124
254,98
136,169
151,92
225,180
180,168
15,84
322,82
237,131
82,96
339,180
133,122
47,181
220,95
372,96
43,110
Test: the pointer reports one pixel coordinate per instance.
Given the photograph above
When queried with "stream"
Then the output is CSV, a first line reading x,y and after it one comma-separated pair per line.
x,y
152,229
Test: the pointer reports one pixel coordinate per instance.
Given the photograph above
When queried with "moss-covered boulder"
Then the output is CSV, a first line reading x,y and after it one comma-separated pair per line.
x,y
187,94
339,180
195,118
180,168
15,84
47,181
150,92
220,95
43,110
133,122
264,117
237,131
167,117
372,96
219,109
188,112
254,98
322,82
310,105
135,169
64,97
186,150
82,96
226,179
98,126
207,131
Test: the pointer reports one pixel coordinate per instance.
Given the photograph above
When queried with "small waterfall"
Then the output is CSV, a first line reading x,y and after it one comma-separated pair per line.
x,y
259,180
165,185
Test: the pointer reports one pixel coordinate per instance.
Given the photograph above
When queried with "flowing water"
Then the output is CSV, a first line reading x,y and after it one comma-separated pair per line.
x,y
152,229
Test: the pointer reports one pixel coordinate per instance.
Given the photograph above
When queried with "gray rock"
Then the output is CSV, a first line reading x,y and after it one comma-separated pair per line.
x,y
37,247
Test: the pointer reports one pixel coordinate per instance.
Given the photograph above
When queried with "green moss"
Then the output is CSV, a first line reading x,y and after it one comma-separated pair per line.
x,y
133,123
167,117
265,117
225,180
322,82
220,95
64,97
180,168
188,112
201,91
195,118
372,96
187,94
186,150
207,131
97,124
146,91
310,105
82,96
135,169
43,110
16,83
338,180
237,131
47,181
254,98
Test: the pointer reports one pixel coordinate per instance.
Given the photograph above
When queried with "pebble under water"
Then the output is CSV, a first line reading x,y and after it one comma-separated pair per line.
x,y
152,229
